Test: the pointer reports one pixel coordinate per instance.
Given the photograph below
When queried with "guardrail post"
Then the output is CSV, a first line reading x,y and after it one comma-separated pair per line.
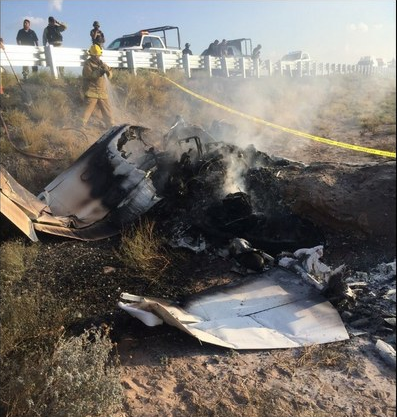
x,y
242,67
161,62
49,57
299,66
269,67
225,69
282,68
255,63
313,70
130,54
207,64
54,59
186,65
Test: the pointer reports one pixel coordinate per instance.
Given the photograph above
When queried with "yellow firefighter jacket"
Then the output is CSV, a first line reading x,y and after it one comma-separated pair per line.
x,y
94,83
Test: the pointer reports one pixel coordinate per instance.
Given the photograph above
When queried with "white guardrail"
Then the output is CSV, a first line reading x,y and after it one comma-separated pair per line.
x,y
49,56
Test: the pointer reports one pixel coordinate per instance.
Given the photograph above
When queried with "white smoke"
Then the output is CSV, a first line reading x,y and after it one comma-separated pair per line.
x,y
378,26
359,27
55,5
234,179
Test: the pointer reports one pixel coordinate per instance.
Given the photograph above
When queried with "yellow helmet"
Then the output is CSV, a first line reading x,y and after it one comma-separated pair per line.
x,y
95,50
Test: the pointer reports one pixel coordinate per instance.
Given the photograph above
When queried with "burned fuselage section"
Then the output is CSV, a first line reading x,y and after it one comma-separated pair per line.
x,y
108,186
213,187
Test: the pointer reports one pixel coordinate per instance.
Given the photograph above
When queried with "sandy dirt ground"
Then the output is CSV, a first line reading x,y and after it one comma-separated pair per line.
x,y
168,373
171,376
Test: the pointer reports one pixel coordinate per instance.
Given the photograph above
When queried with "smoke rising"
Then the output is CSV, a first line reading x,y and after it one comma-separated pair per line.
x,y
55,5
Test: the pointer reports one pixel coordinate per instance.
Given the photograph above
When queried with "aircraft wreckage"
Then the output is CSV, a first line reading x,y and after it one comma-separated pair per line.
x,y
120,177
200,181
109,185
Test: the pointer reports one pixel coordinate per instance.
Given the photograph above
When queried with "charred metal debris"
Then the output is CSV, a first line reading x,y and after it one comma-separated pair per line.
x,y
210,187
201,191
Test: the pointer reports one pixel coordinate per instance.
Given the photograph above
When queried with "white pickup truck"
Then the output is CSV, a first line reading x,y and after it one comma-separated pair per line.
x,y
147,40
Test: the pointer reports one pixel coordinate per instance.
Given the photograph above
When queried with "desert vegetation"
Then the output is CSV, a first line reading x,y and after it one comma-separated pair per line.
x,y
145,251
58,359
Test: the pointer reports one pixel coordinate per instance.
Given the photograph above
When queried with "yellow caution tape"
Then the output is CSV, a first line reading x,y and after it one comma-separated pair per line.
x,y
285,129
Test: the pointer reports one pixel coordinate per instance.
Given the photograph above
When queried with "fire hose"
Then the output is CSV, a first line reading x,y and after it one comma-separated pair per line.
x,y
32,155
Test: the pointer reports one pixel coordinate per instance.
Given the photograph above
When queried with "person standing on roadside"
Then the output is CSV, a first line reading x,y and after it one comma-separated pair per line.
x,y
27,36
256,52
97,36
187,50
94,86
52,35
222,48
213,48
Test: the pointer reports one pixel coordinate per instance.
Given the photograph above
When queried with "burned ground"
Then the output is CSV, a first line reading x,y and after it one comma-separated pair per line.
x,y
168,372
281,205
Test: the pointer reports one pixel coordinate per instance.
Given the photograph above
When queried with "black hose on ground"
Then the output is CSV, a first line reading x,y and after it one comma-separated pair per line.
x,y
32,155
76,130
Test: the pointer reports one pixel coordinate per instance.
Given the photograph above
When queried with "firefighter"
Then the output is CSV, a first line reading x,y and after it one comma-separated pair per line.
x,y
94,86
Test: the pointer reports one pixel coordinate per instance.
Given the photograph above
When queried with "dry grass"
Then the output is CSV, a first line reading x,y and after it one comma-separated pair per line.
x,y
62,382
29,313
40,138
144,93
8,79
5,146
52,106
334,355
143,250
44,78
71,376
36,137
80,377
16,259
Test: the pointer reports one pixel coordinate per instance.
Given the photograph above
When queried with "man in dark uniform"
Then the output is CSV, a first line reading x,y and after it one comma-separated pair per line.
x,y
187,50
213,49
256,52
27,36
97,36
52,35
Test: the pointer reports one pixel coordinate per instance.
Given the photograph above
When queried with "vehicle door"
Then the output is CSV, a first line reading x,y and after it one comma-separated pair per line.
x,y
152,43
